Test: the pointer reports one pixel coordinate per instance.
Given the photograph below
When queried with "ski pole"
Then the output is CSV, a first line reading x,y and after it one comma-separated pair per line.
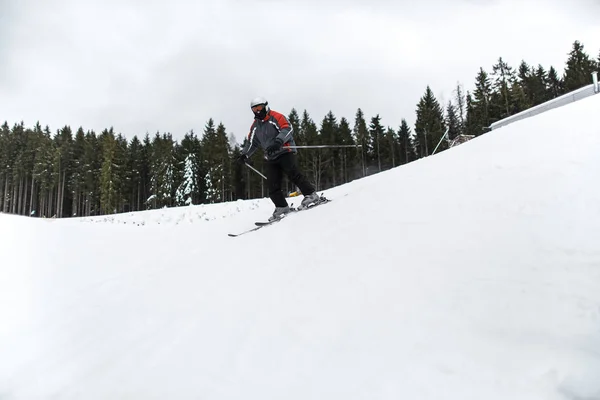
x,y
255,170
322,146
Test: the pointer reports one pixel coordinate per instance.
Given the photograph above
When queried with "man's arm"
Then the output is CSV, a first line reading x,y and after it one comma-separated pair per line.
x,y
284,126
252,144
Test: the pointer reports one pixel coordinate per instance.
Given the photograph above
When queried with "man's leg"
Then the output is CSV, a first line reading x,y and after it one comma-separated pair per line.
x,y
274,177
290,167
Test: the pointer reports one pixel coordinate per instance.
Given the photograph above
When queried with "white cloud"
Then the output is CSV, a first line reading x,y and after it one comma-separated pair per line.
x,y
169,66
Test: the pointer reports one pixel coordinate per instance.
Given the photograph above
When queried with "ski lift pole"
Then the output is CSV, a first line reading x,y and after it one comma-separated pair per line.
x,y
255,170
440,142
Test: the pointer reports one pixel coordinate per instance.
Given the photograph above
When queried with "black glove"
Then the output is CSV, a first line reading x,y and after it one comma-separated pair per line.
x,y
242,159
275,147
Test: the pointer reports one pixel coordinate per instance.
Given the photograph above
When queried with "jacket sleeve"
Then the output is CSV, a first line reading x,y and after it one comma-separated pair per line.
x,y
285,128
252,144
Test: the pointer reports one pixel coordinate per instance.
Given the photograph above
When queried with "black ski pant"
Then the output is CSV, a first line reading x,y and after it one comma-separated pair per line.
x,y
285,164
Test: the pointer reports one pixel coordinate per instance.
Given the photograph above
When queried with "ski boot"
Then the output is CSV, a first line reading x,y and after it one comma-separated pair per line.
x,y
310,200
279,212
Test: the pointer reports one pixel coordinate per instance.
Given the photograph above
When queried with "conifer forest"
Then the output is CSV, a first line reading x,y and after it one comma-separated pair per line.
x,y
67,172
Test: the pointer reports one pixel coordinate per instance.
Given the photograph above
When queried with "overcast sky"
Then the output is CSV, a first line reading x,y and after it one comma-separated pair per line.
x,y
147,66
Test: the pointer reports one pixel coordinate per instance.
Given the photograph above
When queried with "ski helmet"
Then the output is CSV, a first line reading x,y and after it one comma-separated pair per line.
x,y
258,101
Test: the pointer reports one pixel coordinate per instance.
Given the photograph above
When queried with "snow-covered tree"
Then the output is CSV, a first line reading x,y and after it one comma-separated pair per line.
x,y
188,186
213,179
162,169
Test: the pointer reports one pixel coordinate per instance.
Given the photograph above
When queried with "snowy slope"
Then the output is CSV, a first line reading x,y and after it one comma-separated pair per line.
x,y
472,274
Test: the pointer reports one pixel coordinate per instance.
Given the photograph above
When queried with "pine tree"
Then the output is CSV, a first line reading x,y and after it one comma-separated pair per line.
x,y
504,81
37,143
123,175
376,133
16,139
349,166
19,137
146,171
480,104
108,189
524,79
224,155
312,160
518,99
25,153
361,134
407,148
526,91
452,122
554,84
62,165
471,118
191,148
209,167
92,164
4,165
579,68
298,133
388,149
430,125
460,107
216,162
162,162
294,119
188,186
76,182
327,159
42,171
540,89
26,157
135,167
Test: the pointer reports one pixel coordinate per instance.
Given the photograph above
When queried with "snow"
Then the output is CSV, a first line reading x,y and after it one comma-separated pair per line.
x,y
471,274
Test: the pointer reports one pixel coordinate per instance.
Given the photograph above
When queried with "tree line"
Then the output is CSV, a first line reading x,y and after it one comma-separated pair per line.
x,y
82,173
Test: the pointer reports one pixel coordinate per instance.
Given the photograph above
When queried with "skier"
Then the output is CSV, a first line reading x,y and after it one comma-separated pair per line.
x,y
273,132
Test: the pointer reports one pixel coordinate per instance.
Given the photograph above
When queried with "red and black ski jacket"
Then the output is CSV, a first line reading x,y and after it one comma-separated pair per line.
x,y
263,133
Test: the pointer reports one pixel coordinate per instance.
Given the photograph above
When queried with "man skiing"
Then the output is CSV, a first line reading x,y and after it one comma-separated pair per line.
x,y
274,134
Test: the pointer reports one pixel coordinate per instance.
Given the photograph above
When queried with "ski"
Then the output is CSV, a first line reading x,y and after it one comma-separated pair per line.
x,y
265,223
261,224
257,227
322,200
244,232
